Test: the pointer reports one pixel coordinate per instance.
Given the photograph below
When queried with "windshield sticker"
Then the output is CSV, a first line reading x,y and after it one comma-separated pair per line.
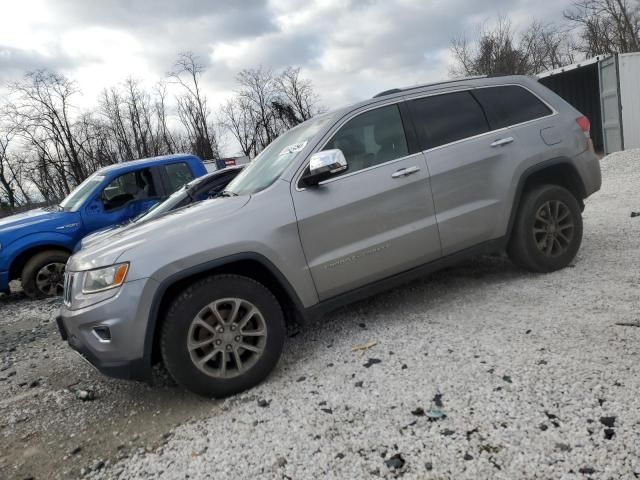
x,y
295,148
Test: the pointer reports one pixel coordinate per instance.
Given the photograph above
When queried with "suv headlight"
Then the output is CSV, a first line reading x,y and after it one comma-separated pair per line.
x,y
105,278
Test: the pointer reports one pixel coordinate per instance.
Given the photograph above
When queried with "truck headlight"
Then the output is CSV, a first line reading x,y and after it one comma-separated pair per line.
x,y
105,278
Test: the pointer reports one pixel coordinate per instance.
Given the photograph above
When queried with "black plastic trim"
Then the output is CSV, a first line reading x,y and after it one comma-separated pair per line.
x,y
525,176
61,328
132,370
410,132
202,268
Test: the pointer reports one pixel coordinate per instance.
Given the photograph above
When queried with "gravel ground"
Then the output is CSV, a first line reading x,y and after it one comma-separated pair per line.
x,y
479,371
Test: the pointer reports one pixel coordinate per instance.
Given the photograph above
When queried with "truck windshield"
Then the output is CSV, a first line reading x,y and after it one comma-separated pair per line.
x,y
77,197
272,161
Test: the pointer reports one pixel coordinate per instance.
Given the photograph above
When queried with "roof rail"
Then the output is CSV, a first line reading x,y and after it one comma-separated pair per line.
x,y
444,82
387,92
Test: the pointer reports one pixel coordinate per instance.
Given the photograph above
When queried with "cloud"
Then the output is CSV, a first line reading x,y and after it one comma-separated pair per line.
x,y
349,49
15,62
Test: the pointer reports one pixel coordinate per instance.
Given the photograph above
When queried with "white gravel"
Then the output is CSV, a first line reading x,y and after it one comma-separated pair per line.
x,y
527,368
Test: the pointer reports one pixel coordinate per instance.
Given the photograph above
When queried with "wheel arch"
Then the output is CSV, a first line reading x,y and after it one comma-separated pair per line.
x,y
19,260
558,171
252,265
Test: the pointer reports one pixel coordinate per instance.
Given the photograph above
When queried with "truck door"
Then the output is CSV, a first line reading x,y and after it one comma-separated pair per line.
x,y
126,196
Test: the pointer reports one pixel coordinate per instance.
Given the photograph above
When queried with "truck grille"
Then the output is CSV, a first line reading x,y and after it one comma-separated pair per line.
x,y
68,286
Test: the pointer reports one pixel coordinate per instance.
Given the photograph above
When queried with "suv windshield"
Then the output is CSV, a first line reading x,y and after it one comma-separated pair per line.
x,y
272,161
79,194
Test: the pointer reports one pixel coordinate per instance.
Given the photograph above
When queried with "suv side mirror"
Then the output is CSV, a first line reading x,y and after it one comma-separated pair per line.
x,y
324,164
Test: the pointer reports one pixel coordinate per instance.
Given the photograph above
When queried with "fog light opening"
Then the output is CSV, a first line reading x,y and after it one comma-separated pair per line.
x,y
103,333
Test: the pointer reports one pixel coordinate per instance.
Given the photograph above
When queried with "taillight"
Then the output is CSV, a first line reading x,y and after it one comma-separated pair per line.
x,y
585,125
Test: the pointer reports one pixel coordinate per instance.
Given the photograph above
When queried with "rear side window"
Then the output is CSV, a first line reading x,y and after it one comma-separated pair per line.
x,y
179,175
443,119
510,105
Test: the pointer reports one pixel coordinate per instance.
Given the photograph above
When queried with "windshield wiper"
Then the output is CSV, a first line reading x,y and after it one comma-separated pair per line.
x,y
228,193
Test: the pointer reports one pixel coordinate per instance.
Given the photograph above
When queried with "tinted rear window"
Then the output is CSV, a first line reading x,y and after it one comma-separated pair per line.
x,y
447,118
510,105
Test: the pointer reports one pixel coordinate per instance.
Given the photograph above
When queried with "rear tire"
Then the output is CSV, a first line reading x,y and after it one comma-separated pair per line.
x,y
548,230
43,274
222,335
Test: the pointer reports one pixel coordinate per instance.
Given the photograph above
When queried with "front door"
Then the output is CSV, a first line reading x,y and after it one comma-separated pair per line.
x,y
124,197
374,220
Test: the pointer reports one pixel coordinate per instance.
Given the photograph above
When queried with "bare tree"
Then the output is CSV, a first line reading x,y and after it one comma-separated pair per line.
x,y
298,93
258,91
192,105
499,51
606,26
238,119
10,174
164,134
47,146
42,115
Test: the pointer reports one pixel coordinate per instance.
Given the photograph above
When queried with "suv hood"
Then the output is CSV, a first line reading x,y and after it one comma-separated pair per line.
x,y
106,251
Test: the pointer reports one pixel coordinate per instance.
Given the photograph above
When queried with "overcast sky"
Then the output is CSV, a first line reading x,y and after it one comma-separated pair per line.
x,y
349,49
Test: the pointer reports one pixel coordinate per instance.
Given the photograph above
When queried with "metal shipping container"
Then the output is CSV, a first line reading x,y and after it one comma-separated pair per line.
x,y
605,89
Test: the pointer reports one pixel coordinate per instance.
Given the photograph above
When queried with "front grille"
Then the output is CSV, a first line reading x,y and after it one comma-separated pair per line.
x,y
68,286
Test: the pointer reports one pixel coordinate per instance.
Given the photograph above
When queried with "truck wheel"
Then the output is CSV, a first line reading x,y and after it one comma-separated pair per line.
x,y
222,335
43,274
548,230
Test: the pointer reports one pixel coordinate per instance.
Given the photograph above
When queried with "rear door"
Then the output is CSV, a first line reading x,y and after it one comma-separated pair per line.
x,y
610,100
377,218
467,163
474,141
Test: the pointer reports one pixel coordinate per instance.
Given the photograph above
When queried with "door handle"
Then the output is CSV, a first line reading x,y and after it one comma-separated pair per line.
x,y
502,142
405,172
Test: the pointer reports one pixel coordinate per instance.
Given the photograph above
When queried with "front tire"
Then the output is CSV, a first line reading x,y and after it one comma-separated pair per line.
x,y
43,274
548,230
222,335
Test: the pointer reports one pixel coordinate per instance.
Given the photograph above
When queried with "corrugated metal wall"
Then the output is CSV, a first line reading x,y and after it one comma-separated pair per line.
x,y
630,98
581,88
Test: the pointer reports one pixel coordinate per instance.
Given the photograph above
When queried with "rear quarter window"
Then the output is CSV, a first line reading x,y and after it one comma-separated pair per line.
x,y
510,105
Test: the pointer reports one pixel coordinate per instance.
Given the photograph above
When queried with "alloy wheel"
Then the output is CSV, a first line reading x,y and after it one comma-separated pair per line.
x,y
553,228
50,279
227,337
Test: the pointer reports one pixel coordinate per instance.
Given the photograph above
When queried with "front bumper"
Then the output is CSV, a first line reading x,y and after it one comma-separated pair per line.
x,y
588,165
126,316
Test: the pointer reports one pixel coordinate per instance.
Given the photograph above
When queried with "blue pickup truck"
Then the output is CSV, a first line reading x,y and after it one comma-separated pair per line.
x,y
35,246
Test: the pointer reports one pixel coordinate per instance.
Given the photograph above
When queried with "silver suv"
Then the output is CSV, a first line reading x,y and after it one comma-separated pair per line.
x,y
342,206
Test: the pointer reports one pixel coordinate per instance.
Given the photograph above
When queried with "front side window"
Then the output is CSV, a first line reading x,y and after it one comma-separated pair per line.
x,y
510,105
179,175
442,119
371,138
130,186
